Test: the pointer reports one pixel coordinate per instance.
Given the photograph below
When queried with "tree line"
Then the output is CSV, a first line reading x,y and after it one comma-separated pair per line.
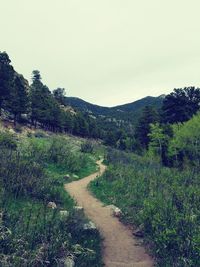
x,y
37,105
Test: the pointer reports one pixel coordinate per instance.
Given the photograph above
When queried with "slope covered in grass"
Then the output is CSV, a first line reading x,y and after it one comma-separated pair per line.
x,y
164,203
31,175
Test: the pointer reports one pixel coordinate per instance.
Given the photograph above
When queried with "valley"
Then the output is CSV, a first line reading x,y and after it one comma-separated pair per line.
x,y
55,211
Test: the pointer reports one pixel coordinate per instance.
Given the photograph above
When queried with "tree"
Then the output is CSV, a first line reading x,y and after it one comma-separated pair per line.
x,y
59,95
4,58
149,116
185,143
36,77
17,102
40,99
181,105
6,77
159,138
81,126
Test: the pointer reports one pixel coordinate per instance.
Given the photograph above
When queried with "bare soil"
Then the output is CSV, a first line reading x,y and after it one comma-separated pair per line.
x,y
120,247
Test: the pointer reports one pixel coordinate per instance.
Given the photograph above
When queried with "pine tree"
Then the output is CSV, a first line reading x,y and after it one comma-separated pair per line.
x,y
17,101
39,96
149,115
59,95
181,105
6,77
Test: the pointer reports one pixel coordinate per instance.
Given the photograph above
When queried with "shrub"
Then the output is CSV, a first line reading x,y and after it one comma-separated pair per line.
x,y
87,147
40,134
7,140
18,129
185,145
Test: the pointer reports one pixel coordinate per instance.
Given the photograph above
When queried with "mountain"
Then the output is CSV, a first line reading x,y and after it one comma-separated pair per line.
x,y
126,112
140,104
84,106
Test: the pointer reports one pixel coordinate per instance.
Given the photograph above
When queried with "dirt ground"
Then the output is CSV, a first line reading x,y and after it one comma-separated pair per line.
x,y
120,248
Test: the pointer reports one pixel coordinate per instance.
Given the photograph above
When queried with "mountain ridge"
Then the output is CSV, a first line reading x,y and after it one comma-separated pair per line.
x,y
124,111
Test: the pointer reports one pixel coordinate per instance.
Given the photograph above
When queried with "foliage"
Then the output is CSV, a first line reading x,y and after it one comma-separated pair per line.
x,y
8,141
185,145
181,104
17,101
31,234
87,147
163,202
6,77
148,117
59,95
159,140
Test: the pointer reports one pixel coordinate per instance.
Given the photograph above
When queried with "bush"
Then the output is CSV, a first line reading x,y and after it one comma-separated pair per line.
x,y
21,176
18,129
7,141
60,153
87,147
40,134
184,147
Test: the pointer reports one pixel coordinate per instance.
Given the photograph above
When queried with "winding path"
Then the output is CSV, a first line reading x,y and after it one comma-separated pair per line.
x,y
120,249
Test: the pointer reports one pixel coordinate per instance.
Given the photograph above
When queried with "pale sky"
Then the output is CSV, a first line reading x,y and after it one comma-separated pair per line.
x,y
106,52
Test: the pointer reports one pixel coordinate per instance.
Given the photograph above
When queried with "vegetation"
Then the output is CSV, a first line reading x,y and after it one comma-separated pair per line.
x,y
31,176
157,187
181,105
162,202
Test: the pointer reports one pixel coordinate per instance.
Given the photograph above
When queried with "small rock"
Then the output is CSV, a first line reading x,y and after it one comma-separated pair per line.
x,y
75,176
69,262
115,211
67,177
89,226
52,205
78,209
78,213
138,233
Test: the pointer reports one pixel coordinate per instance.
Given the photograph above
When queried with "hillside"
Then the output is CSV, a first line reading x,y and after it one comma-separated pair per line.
x,y
130,111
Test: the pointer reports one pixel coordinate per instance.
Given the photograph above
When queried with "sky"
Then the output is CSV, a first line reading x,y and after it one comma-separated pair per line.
x,y
107,52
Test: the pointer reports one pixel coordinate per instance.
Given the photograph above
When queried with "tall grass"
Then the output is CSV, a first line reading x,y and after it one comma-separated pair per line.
x,y
162,202
31,175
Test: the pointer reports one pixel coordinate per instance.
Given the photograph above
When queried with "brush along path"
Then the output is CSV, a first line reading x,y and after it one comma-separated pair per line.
x,y
120,249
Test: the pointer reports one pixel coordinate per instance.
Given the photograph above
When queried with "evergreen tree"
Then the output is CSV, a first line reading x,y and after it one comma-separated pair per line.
x,y
149,115
181,105
36,76
81,126
17,102
6,77
59,95
40,100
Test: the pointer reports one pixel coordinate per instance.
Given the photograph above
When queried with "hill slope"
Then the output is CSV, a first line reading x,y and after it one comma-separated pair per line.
x,y
123,112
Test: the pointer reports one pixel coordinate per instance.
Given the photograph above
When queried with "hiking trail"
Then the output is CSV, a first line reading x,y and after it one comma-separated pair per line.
x,y
120,247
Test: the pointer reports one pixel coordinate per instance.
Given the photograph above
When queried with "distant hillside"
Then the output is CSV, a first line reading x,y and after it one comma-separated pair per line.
x,y
82,105
140,104
129,111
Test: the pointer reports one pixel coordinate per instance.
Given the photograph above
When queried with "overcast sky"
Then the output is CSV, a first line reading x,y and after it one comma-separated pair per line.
x,y
105,51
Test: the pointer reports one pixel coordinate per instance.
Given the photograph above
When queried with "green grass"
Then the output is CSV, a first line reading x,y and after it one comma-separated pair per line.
x,y
163,202
59,171
31,234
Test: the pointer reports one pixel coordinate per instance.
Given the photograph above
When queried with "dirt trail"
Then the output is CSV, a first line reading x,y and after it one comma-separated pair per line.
x,y
120,249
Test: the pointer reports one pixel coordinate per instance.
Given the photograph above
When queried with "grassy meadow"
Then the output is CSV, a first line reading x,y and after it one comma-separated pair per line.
x,y
164,203
33,169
